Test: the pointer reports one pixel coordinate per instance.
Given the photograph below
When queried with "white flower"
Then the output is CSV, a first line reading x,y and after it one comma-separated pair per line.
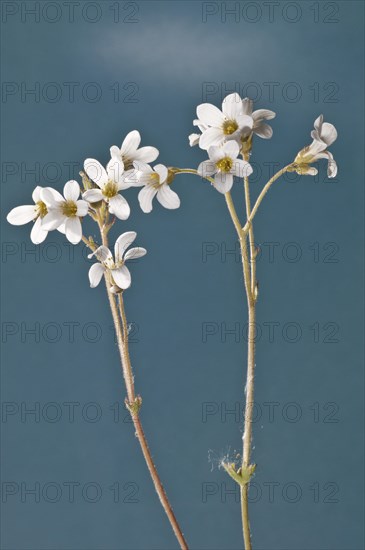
x,y
64,213
224,164
324,134
221,126
118,271
155,182
129,151
110,181
259,127
34,212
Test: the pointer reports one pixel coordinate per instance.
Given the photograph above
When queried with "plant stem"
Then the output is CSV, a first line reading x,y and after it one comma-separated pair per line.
x,y
134,402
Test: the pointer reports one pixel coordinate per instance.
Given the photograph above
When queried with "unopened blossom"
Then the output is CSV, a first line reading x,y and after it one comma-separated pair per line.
x,y
64,212
230,123
324,134
195,138
155,182
259,127
120,274
32,213
224,164
110,181
130,152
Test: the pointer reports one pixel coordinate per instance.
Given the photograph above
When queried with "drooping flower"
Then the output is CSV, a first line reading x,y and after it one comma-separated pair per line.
x,y
155,182
110,181
119,272
259,127
222,125
64,213
34,212
324,134
129,152
224,164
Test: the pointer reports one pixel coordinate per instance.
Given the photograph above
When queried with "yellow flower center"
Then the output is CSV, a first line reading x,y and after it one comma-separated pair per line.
x,y
229,127
225,164
128,163
41,209
155,180
69,209
110,190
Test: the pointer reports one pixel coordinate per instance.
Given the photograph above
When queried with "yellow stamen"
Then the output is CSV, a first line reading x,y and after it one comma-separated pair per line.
x,y
229,127
225,164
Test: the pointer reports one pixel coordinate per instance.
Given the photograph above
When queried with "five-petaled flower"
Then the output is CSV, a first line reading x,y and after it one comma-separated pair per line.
x,y
155,181
32,212
64,213
129,151
222,125
324,134
224,164
119,272
110,181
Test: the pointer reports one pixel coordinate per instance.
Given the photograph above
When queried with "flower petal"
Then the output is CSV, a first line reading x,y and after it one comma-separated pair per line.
x,y
122,243
53,220
93,195
162,171
231,149
71,191
103,254
82,208
96,273
208,167
241,168
145,197
115,170
119,207
51,197
135,253
232,106
122,277
38,233
247,106
130,144
212,136
263,130
194,139
22,214
115,152
168,198
210,115
146,154
36,195
96,172
73,230
223,182
263,114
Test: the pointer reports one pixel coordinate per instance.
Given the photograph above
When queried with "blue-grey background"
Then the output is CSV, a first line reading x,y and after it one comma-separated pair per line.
x,y
146,65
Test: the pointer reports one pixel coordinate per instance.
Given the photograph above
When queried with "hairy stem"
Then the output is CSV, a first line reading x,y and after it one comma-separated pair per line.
x,y
134,402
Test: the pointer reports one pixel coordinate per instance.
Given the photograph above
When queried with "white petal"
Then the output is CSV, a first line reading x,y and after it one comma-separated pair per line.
x,y
93,195
52,220
328,133
130,144
119,207
223,182
207,168
210,115
232,106
245,122
263,130
231,149
73,230
135,178
22,215
71,191
168,198
51,197
135,253
96,172
103,254
241,168
162,171
96,272
263,114
122,277
142,166
122,243
146,154
145,197
212,136
115,152
194,139
82,208
115,170
38,233
36,195
247,105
